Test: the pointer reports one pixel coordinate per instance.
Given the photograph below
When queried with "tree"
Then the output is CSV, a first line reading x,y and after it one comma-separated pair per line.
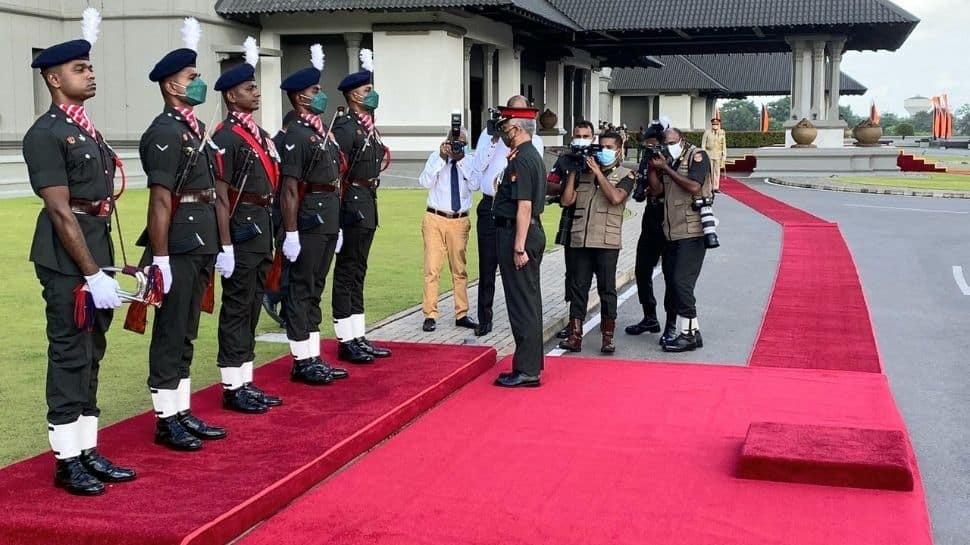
x,y
888,120
961,121
778,112
922,122
846,113
903,129
740,115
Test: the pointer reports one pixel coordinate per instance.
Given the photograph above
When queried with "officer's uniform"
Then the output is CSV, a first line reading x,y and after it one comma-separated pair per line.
x,y
595,241
715,144
524,179
685,249
63,149
365,153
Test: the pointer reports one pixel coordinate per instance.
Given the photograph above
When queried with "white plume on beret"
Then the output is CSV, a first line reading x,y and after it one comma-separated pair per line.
x,y
90,24
367,60
317,56
251,51
665,121
191,33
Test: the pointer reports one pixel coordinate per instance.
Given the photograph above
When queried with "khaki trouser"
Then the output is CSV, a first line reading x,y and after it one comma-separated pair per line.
x,y
445,237
716,166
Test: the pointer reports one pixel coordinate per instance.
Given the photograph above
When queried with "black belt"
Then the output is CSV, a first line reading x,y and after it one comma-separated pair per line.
x,y
321,188
510,222
100,208
255,199
205,196
449,215
372,183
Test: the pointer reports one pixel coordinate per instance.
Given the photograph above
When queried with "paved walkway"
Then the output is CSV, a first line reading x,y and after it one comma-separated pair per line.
x,y
406,325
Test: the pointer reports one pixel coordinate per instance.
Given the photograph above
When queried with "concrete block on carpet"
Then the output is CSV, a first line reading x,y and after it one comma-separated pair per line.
x,y
826,455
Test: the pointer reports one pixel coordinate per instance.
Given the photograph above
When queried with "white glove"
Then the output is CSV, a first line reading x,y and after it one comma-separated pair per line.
x,y
161,261
340,241
226,261
291,245
104,290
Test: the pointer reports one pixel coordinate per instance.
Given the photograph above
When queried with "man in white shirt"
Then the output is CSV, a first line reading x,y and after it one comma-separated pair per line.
x,y
490,160
448,177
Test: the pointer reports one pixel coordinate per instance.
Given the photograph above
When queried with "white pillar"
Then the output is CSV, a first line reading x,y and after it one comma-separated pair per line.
x,y
270,77
509,73
615,114
554,91
352,40
593,100
818,80
467,83
584,88
835,93
488,81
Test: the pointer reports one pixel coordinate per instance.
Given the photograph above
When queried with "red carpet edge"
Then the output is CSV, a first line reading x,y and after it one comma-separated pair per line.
x,y
244,516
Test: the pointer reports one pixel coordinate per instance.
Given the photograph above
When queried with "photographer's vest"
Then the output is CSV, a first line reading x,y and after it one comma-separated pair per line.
x,y
681,221
596,222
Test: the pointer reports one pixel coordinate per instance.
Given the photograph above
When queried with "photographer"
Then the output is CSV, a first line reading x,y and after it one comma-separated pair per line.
x,y
599,194
572,161
682,175
448,178
650,246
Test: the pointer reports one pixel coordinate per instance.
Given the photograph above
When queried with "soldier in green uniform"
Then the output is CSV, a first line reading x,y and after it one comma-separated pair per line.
x,y
520,242
361,143
182,239
311,218
72,169
247,173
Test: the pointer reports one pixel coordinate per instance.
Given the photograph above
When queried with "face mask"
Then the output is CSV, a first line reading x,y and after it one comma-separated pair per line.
x,y
371,100
606,157
317,104
507,138
194,92
581,142
675,149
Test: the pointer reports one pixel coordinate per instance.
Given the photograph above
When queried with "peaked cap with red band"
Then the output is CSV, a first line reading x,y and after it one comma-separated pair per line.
x,y
506,113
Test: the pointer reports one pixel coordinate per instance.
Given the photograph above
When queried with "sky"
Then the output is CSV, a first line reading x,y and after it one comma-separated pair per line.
x,y
935,59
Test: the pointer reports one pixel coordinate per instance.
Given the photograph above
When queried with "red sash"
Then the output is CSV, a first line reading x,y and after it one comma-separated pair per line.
x,y
270,166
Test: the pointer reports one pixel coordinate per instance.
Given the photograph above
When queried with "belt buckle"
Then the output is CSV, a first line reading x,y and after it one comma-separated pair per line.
x,y
104,207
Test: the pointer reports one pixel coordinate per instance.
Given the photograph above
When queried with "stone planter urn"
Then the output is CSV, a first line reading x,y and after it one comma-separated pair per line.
x,y
548,120
804,134
867,134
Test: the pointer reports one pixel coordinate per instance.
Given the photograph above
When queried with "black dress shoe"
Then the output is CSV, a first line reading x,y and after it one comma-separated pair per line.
x,y
170,432
483,329
71,475
368,348
563,333
351,352
429,325
648,324
685,342
306,372
465,321
518,379
670,333
270,309
266,399
103,469
200,429
335,372
243,400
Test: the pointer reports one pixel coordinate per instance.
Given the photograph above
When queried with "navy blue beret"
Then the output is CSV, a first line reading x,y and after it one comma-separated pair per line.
x,y
172,63
355,80
62,53
234,76
301,79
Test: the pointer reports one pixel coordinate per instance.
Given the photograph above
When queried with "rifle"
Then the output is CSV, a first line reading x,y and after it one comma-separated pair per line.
x,y
236,188
275,274
137,316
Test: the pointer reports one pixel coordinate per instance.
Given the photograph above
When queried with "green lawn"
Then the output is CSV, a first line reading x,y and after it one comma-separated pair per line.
x,y
949,160
394,282
941,182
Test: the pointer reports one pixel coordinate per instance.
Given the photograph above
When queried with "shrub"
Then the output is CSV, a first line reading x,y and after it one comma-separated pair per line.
x,y
904,130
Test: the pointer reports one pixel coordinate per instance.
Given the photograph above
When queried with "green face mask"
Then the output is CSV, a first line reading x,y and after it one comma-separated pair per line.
x,y
371,100
194,92
318,104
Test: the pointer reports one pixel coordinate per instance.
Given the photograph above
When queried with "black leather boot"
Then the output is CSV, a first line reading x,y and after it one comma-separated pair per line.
x,y
351,352
71,475
575,341
687,340
243,400
306,372
369,348
103,469
266,399
648,324
563,333
670,331
200,429
170,432
335,372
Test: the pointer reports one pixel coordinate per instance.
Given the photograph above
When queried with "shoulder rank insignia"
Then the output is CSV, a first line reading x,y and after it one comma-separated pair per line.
x,y
698,157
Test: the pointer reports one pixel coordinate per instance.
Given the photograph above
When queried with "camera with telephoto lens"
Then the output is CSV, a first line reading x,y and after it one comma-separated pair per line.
x,y
576,158
491,124
457,146
704,205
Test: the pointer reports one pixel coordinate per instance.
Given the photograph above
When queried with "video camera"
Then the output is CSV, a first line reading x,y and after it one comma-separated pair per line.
x,y
457,146
575,159
703,205
491,124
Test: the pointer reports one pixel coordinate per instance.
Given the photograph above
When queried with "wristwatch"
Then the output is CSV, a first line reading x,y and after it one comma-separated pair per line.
x,y
519,252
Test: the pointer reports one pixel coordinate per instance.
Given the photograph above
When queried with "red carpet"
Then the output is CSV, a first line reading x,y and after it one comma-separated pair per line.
x,y
212,496
829,455
817,317
609,452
